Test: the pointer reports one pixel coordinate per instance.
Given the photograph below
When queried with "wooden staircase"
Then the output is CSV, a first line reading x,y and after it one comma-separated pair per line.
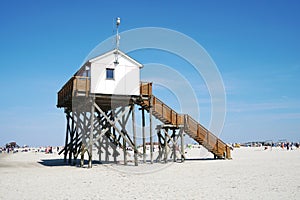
x,y
191,127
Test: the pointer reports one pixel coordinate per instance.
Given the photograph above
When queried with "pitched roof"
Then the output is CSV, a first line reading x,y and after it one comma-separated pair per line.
x,y
120,53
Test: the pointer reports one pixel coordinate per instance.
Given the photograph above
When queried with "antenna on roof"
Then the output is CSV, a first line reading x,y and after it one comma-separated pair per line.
x,y
118,21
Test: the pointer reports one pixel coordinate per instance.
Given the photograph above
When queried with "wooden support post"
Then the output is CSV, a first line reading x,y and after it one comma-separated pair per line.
x,y
91,135
182,144
151,139
134,136
114,153
124,141
207,136
144,135
174,145
76,138
125,151
71,144
99,150
82,155
83,140
166,145
99,140
106,148
67,136
159,145
228,155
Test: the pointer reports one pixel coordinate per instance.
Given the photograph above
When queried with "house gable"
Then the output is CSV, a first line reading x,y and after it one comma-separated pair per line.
x,y
109,77
121,54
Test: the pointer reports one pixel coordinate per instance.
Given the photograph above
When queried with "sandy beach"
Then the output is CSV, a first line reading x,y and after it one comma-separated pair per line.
x,y
253,173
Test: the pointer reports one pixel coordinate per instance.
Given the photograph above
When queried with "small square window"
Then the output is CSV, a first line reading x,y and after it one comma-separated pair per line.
x,y
109,73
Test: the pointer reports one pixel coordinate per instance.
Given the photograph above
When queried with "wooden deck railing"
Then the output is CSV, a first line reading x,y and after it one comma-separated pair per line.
x,y
82,84
65,93
165,112
76,85
146,89
205,137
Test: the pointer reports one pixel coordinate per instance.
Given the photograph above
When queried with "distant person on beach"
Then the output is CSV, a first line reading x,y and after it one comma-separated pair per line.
x,y
57,149
271,146
287,146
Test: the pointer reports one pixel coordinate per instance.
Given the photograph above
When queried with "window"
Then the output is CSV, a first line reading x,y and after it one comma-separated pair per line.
x,y
109,73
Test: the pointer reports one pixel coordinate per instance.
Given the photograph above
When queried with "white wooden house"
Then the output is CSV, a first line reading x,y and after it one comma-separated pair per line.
x,y
113,73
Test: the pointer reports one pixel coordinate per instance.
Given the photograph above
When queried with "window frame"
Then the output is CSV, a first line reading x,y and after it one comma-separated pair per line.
x,y
107,70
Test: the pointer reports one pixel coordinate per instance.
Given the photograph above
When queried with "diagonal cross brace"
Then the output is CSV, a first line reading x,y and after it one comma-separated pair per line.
x,y
174,142
113,124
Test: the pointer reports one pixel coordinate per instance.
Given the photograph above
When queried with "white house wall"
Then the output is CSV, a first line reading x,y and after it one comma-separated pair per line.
x,y
126,76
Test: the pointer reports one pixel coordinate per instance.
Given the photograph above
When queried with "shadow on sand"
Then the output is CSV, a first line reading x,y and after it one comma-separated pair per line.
x,y
53,162
60,162
203,159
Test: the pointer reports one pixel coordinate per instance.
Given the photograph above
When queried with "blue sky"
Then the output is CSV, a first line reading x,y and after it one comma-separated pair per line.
x,y
255,45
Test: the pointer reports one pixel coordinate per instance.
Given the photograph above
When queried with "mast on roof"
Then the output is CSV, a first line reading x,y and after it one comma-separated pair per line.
x,y
118,21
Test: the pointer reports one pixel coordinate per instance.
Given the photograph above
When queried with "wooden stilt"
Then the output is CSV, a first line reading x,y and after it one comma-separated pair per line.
x,y
165,148
91,135
99,140
228,155
106,149
71,144
151,139
83,140
67,136
134,135
76,137
182,144
99,150
144,135
115,137
174,145
124,141
159,146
